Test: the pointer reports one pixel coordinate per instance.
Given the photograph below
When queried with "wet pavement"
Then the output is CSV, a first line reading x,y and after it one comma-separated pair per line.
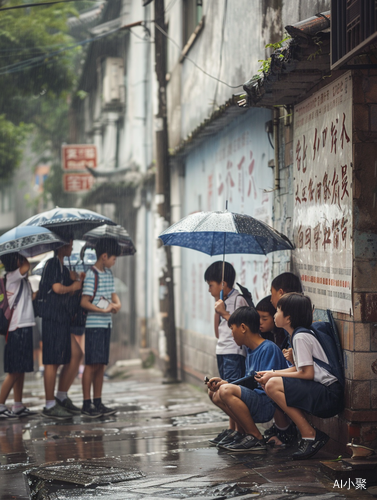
x,y
155,447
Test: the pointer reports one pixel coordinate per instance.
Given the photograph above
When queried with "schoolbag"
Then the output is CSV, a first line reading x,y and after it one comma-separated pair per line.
x,y
79,317
246,295
6,312
326,334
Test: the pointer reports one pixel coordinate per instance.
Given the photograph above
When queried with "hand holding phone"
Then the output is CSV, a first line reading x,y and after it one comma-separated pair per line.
x,y
103,303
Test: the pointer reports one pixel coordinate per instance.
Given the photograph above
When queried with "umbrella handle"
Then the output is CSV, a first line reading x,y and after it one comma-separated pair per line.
x,y
221,294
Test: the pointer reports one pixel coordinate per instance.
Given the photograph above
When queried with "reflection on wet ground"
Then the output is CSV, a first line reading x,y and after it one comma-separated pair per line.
x,y
155,447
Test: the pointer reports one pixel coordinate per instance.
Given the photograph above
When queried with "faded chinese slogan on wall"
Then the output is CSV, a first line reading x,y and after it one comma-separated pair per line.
x,y
323,195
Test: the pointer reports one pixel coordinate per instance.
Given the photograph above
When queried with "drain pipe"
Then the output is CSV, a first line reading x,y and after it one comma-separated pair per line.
x,y
276,147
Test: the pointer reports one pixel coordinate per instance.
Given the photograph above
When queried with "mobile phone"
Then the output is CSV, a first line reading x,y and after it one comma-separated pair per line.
x,y
102,303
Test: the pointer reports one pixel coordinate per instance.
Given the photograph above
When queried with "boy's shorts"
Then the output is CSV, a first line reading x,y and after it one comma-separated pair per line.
x,y
18,352
231,366
260,406
97,345
323,401
56,342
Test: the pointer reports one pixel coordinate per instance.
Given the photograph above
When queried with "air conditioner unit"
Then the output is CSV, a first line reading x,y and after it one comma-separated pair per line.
x,y
113,81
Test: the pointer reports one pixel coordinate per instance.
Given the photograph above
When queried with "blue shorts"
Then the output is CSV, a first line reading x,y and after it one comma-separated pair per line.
x,y
231,366
97,345
18,352
260,406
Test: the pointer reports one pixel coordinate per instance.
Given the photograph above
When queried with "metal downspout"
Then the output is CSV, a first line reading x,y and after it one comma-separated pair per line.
x,y
276,147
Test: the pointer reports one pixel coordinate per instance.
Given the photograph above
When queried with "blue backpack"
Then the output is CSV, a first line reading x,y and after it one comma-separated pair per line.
x,y
326,334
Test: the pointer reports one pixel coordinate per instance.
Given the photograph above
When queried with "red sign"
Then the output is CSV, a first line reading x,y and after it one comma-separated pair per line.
x,y
74,183
79,156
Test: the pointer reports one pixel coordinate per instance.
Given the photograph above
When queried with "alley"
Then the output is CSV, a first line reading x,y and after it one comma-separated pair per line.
x,y
155,447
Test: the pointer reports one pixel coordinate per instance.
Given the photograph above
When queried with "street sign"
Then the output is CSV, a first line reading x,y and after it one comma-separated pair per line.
x,y
76,183
78,156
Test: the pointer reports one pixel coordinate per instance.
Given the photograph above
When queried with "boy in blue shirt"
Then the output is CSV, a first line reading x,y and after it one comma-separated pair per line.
x,y
100,300
244,405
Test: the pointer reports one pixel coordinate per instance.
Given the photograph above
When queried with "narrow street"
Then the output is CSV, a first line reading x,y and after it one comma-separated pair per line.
x,y
155,447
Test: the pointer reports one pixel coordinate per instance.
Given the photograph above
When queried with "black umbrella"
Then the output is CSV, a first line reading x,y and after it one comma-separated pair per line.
x,y
68,223
117,233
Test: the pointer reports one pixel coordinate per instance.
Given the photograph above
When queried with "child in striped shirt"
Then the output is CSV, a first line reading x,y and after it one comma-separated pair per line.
x,y
100,300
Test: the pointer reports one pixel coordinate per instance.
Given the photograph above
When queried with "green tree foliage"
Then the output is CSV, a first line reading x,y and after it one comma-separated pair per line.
x,y
35,73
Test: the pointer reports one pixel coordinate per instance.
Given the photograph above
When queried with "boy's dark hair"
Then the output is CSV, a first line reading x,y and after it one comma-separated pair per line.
x,y
288,282
247,315
11,261
299,307
109,246
265,305
215,272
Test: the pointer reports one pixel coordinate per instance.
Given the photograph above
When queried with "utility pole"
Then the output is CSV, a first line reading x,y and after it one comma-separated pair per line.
x,y
166,285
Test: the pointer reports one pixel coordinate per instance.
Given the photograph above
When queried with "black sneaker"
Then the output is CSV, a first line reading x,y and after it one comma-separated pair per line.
x,y
68,405
7,414
249,443
220,436
308,448
105,410
272,431
91,412
239,437
287,437
229,439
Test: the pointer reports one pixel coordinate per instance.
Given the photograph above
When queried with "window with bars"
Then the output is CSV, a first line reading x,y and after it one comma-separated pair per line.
x,y
353,23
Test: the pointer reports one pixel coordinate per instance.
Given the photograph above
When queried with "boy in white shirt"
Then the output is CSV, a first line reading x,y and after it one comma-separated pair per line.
x,y
230,356
18,353
306,386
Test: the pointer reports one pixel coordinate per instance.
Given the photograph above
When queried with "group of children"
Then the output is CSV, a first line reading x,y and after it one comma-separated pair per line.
x,y
58,298
280,379
264,375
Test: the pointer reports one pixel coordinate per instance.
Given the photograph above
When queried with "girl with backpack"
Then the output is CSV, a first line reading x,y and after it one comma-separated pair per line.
x,y
307,386
18,353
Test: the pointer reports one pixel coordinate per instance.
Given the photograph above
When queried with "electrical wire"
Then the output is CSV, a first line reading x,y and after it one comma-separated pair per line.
x,y
40,4
39,60
193,62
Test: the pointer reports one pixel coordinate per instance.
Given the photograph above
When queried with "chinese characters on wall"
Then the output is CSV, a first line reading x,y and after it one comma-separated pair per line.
x,y
323,195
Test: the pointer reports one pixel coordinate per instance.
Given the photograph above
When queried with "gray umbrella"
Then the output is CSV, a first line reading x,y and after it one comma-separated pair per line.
x,y
29,241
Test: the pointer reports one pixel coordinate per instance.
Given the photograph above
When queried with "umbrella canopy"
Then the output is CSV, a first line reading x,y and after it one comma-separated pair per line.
x,y
29,241
220,233
117,233
69,223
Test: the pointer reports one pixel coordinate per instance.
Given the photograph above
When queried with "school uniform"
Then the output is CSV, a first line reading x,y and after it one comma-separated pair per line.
x,y
267,356
56,317
98,325
323,396
18,352
230,356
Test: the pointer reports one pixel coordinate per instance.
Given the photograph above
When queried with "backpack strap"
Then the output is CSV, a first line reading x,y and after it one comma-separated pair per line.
x,y
319,362
16,301
95,283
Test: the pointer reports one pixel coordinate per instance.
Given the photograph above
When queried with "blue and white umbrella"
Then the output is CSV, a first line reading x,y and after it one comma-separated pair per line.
x,y
29,241
220,233
69,223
